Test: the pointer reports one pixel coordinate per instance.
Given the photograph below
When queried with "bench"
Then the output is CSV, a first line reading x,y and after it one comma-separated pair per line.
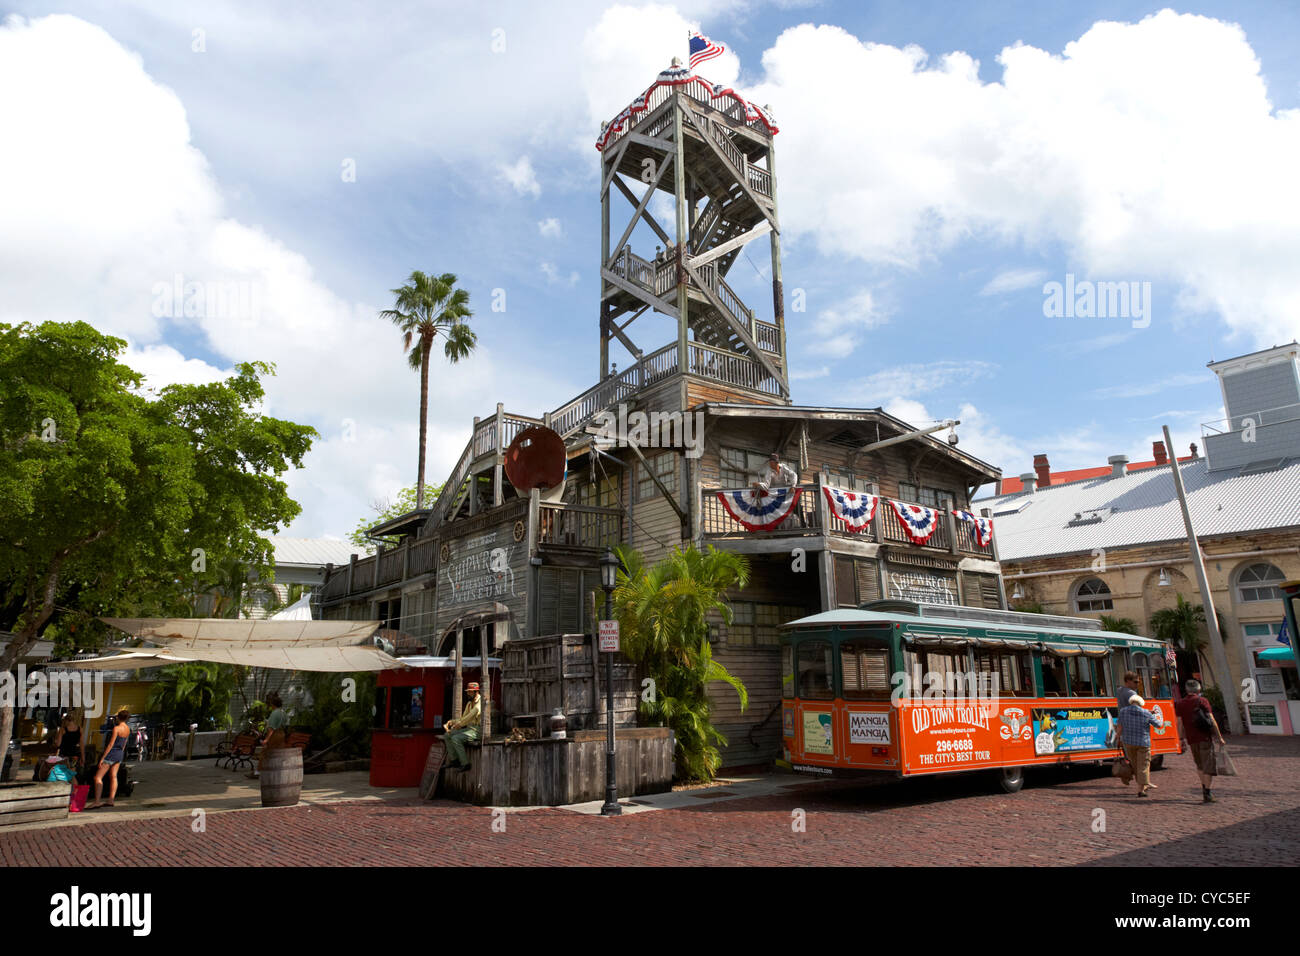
x,y
299,740
241,752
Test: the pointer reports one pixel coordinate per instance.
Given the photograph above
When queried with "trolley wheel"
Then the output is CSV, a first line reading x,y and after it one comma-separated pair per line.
x,y
1158,762
1011,779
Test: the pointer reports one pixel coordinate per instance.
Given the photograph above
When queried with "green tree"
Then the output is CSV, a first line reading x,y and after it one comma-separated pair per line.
x,y
1119,625
403,504
429,306
664,613
194,693
113,501
1181,625
336,721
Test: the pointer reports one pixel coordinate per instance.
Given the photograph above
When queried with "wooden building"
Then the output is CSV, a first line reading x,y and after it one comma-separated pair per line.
x,y
650,447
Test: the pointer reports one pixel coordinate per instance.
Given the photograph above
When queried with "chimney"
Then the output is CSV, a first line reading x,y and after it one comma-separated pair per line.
x,y
1118,465
1193,449
1158,449
1044,471
1027,479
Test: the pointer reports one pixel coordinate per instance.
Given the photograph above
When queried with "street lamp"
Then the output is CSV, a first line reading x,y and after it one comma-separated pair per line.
x,y
608,578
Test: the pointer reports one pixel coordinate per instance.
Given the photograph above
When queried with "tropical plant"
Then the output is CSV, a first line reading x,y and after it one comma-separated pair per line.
x,y
403,503
664,613
194,693
429,306
340,716
1181,626
1119,625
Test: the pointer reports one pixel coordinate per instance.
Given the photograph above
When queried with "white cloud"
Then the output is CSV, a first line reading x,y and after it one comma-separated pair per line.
x,y
900,382
553,276
163,365
95,233
1013,281
803,375
521,176
1148,150
550,228
841,328
1140,389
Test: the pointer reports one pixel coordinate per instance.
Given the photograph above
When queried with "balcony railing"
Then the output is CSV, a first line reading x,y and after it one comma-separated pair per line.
x,y
716,521
579,526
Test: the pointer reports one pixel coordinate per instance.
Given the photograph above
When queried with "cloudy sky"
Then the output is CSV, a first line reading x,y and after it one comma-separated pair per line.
x,y
938,165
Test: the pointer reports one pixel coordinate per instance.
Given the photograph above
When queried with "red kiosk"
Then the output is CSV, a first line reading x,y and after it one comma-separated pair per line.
x,y
413,703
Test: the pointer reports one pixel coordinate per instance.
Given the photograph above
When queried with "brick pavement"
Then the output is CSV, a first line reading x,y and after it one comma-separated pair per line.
x,y
956,820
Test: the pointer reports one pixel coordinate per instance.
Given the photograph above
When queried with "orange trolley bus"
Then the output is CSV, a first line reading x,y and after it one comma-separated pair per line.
x,y
905,689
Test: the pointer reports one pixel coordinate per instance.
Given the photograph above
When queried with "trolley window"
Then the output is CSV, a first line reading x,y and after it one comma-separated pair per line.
x,y
815,671
1055,683
864,667
1079,672
1014,670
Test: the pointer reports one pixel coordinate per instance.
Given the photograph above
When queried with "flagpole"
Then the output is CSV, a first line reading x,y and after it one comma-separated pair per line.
x,y
1220,656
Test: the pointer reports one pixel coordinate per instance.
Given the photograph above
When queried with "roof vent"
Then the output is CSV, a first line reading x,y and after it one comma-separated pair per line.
x,y
1118,465
1027,479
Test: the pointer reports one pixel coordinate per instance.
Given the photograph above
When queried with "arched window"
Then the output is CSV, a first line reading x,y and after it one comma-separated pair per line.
x,y
1257,583
1093,595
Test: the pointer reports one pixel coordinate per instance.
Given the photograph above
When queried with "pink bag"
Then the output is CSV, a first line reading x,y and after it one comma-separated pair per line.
x,y
79,796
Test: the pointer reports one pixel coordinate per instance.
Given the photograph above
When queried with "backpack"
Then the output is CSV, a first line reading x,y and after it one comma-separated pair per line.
x,y
1203,722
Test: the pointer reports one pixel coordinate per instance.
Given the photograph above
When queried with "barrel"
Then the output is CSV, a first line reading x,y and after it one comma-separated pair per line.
x,y
282,777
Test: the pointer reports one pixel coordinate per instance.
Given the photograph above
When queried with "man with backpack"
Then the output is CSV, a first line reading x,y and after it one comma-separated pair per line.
x,y
1198,729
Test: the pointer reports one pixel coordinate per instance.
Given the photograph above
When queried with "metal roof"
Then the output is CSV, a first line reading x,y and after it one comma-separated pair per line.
x,y
312,552
1144,510
1048,626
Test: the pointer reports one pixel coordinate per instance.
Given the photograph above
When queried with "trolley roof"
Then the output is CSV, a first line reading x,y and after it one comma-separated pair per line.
x,y
939,617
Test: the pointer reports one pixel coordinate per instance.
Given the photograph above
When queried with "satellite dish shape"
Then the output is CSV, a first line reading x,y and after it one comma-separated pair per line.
x,y
537,458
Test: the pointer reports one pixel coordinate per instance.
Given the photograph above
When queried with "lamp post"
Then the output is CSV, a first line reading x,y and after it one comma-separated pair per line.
x,y
608,577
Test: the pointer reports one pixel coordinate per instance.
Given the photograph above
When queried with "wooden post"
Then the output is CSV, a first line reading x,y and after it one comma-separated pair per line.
x,y
498,491
458,692
993,546
878,532
951,522
604,258
352,570
778,288
679,188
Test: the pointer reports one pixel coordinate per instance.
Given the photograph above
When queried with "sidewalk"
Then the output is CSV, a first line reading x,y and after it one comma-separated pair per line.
x,y
167,788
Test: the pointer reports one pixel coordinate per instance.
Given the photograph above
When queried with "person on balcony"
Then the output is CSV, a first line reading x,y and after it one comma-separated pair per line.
x,y
775,474
462,729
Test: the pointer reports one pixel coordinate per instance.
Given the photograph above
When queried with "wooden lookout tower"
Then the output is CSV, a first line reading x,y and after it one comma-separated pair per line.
x,y
711,152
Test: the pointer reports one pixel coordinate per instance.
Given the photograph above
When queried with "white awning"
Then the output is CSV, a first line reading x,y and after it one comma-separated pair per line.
x,y
128,661
193,633
299,610
338,646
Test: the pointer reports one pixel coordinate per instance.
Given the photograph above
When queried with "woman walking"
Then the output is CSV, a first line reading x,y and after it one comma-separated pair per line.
x,y
112,759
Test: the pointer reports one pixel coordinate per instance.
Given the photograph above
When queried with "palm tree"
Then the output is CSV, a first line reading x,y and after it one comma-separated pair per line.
x,y
1118,625
664,613
427,307
1181,625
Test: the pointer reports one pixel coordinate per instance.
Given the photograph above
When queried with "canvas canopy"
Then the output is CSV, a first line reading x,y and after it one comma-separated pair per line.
x,y
339,646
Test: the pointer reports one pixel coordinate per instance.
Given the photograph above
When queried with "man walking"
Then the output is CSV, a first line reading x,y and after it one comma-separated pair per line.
x,y
1196,727
462,729
1135,725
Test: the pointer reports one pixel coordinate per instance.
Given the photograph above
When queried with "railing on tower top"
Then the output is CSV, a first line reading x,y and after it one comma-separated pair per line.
x,y
651,122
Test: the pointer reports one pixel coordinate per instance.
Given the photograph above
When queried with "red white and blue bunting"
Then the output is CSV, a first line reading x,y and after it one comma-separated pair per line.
x,y
919,523
758,510
716,95
982,527
853,508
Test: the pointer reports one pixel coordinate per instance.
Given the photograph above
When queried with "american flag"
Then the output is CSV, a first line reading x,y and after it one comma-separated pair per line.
x,y
1170,656
702,48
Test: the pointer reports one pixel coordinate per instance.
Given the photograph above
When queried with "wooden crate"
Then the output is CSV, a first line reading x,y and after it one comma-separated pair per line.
x,y
33,802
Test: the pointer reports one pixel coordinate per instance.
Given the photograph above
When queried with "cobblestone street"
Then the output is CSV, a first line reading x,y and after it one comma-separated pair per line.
x,y
958,820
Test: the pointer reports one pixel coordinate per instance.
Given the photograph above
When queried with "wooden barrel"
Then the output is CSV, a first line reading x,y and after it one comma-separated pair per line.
x,y
282,777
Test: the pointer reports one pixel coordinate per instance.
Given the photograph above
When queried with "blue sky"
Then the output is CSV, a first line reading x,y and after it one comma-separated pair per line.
x,y
925,201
